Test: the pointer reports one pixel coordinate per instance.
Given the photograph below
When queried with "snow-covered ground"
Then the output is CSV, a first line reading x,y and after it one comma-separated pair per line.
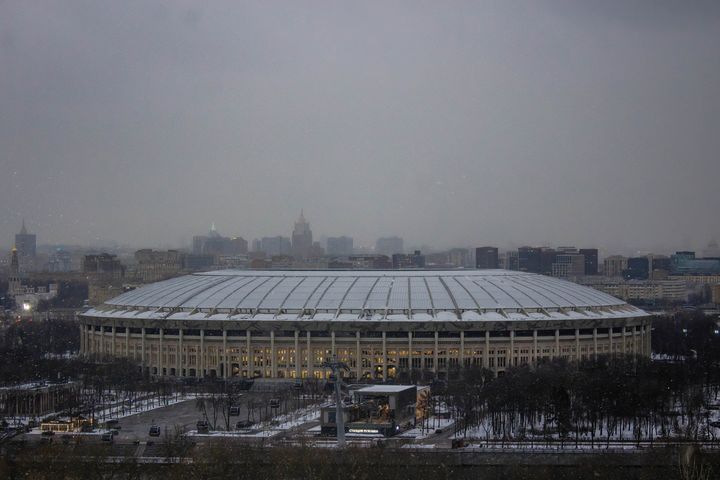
x,y
277,425
141,406
434,424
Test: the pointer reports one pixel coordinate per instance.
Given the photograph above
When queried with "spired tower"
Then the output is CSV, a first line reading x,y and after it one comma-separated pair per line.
x,y
14,282
301,238
26,247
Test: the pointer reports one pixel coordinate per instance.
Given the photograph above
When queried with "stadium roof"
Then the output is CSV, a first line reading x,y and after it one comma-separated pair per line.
x,y
339,295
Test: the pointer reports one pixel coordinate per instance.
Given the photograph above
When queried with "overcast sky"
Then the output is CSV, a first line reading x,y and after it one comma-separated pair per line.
x,y
447,123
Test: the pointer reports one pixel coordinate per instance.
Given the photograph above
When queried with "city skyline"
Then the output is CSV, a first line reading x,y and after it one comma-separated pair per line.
x,y
186,242
528,123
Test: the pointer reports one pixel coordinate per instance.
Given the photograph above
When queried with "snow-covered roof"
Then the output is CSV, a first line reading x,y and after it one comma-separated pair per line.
x,y
384,388
428,295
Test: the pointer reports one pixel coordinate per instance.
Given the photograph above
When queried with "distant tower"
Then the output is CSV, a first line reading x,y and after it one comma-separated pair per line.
x,y
14,278
301,237
26,246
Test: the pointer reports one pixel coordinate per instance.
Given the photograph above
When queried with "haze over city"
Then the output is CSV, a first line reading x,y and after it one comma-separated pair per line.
x,y
526,123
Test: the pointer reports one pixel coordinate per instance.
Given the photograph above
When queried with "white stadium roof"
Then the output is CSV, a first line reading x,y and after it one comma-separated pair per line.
x,y
340,295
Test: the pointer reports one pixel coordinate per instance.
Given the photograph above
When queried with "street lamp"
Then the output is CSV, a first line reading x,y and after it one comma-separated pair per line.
x,y
336,367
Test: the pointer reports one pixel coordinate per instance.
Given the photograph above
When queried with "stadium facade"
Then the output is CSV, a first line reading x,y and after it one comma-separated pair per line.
x,y
383,324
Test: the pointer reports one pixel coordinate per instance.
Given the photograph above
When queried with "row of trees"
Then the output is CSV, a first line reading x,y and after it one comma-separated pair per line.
x,y
612,398
220,396
29,350
616,398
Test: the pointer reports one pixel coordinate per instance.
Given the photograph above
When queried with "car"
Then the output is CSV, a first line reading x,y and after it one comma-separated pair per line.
x,y
202,426
154,431
438,431
107,437
234,411
243,424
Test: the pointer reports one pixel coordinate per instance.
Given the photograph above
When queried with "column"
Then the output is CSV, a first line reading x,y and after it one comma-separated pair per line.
x,y
297,354
486,352
385,357
610,341
250,354
102,339
622,335
127,342
358,354
112,346
642,340
310,360
534,347
435,355
160,352
410,351
181,354
595,354
332,344
577,344
201,370
142,347
511,357
461,358
225,355
557,343
273,355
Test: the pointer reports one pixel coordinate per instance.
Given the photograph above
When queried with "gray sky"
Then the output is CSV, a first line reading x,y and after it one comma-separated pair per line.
x,y
448,123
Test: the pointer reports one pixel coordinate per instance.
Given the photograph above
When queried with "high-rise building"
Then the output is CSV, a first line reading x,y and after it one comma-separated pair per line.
x,y
155,265
568,265
103,264
340,245
459,257
660,266
389,246
412,260
591,260
275,245
486,257
25,243
614,266
302,240
638,268
548,256
14,281
510,260
529,259
216,244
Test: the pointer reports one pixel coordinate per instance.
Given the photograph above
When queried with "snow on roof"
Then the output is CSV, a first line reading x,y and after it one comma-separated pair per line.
x,y
431,295
385,388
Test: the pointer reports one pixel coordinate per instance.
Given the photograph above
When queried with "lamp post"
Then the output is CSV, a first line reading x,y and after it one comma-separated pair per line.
x,y
336,367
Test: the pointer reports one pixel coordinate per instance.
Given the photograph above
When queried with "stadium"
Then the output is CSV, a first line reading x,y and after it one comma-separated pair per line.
x,y
384,325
